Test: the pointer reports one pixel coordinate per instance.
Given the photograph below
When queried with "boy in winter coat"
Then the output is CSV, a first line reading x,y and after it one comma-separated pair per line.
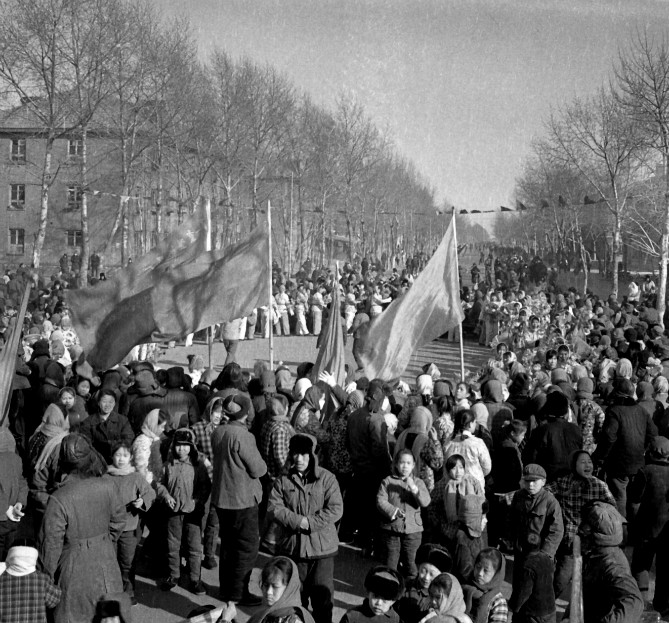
x,y
306,502
137,495
432,560
483,596
609,590
384,587
534,511
650,487
399,500
185,488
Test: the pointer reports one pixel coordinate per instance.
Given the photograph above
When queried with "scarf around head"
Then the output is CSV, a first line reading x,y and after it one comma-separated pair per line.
x,y
453,604
288,603
55,427
150,426
21,560
478,596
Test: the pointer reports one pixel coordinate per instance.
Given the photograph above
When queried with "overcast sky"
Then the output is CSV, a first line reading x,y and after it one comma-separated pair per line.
x,y
461,86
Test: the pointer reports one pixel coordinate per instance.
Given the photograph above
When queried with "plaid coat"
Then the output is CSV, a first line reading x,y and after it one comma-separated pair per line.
x,y
25,599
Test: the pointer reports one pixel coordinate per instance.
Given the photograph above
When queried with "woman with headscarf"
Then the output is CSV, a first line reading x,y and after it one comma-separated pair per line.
x,y
307,417
54,425
422,440
83,519
447,601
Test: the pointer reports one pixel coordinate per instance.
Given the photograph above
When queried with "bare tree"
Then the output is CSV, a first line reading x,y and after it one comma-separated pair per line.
x,y
642,77
601,142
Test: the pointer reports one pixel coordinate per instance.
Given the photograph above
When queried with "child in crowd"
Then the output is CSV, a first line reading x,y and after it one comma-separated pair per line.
x,y
534,511
471,537
483,596
185,488
136,495
447,603
399,500
533,599
384,587
432,560
13,490
25,593
280,585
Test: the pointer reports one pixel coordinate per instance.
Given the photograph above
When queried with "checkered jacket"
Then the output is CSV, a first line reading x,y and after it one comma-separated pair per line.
x,y
25,599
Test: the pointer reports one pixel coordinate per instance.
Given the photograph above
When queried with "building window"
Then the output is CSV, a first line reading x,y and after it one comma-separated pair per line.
x,y
75,148
17,196
16,241
18,150
74,197
74,238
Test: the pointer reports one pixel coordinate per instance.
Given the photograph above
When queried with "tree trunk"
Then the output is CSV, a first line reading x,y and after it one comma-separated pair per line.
x,y
85,242
664,254
44,200
614,252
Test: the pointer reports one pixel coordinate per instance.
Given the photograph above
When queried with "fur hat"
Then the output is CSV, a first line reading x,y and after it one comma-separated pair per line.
x,y
624,387
236,406
175,377
145,383
557,404
184,437
301,444
435,555
659,448
385,582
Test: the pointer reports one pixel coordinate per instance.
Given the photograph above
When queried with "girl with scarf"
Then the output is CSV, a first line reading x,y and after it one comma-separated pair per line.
x,y
25,593
444,511
146,455
447,601
422,441
280,585
136,495
483,596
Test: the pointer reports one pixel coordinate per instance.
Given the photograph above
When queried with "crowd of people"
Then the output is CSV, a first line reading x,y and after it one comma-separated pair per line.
x,y
562,433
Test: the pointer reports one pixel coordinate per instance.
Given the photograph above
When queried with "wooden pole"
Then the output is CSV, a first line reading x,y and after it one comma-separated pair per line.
x,y
576,604
457,272
269,288
208,247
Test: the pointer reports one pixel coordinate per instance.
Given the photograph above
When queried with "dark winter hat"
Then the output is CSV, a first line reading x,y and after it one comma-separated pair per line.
x,y
41,347
559,375
175,377
145,383
304,369
278,405
184,437
624,388
301,444
236,406
659,448
557,404
630,334
532,471
435,555
385,582
602,524
442,388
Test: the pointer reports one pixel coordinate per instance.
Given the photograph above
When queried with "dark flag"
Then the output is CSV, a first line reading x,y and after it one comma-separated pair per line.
x,y
178,290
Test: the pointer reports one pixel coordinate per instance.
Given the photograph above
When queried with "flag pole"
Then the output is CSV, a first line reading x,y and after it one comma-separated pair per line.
x,y
208,247
457,272
269,288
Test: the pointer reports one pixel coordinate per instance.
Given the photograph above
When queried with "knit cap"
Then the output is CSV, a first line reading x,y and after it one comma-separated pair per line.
x,y
584,388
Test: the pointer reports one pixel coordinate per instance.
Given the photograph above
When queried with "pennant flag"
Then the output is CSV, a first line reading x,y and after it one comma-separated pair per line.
x,y
545,204
173,291
428,309
8,357
505,209
331,357
464,212
520,206
587,201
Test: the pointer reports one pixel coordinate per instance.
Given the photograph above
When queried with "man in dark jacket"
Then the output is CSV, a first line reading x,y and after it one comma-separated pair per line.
x,y
551,444
181,405
150,396
107,428
236,493
307,503
627,432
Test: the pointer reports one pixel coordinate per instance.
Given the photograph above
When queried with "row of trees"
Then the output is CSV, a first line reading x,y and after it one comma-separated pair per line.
x,y
181,129
599,174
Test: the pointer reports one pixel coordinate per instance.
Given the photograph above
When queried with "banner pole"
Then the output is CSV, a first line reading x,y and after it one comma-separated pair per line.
x,y
269,288
208,247
457,272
